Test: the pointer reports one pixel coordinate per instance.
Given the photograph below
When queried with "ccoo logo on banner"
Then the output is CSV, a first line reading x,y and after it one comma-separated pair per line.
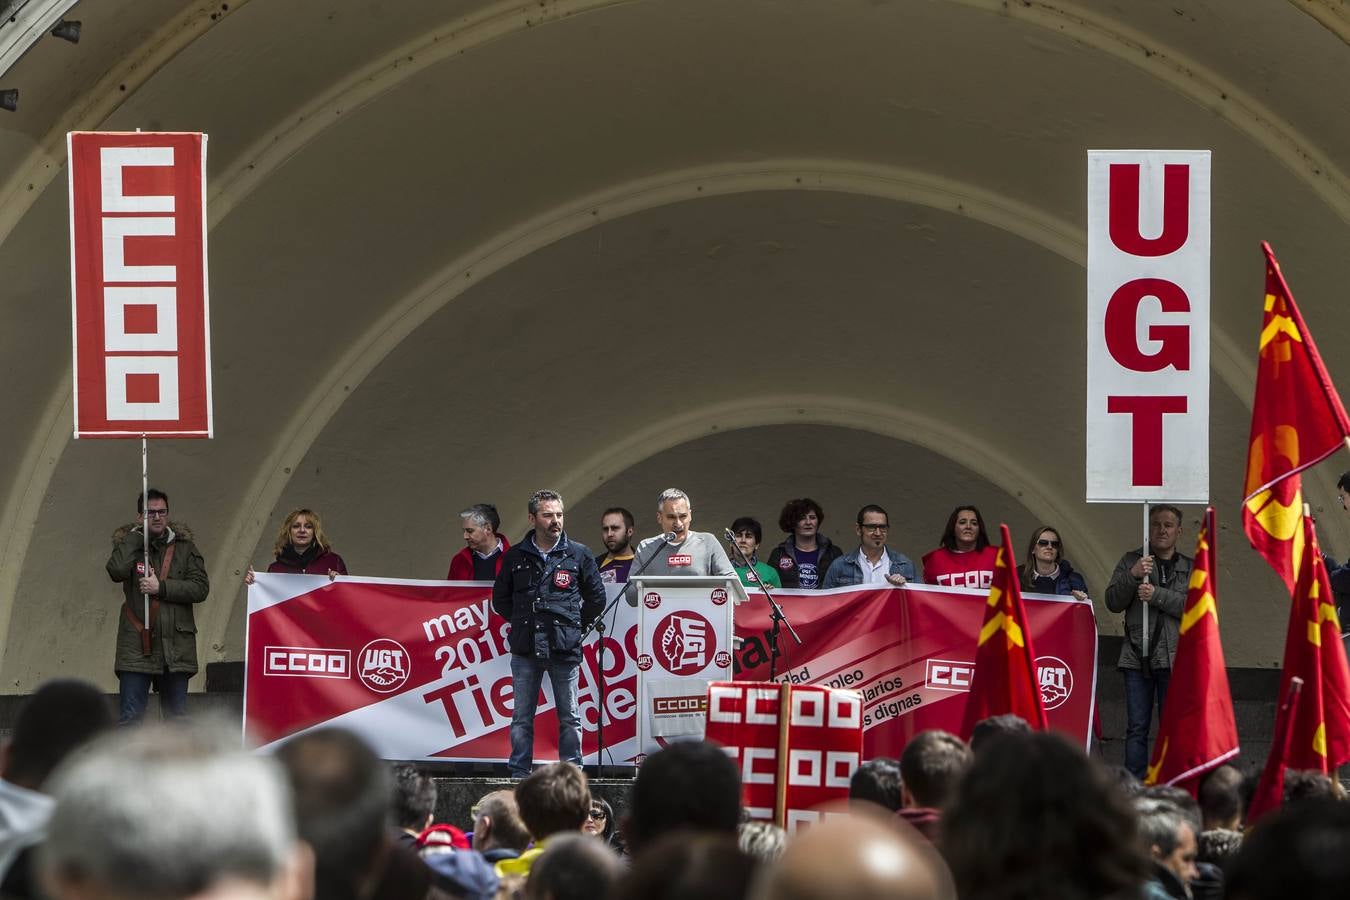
x,y
139,298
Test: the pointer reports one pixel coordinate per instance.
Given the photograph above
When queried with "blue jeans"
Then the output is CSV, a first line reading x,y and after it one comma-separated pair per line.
x,y
1140,691
527,676
133,693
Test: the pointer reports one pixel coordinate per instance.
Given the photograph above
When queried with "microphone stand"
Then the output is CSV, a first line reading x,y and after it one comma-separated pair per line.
x,y
775,611
599,626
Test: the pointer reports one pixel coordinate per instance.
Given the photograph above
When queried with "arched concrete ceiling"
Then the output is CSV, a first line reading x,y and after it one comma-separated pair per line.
x,y
721,225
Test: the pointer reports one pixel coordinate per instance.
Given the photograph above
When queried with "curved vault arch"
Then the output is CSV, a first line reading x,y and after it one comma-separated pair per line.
x,y
498,21
407,313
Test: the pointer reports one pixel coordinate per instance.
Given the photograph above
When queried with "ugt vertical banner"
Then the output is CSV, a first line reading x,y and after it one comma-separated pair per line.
x,y
1148,325
142,349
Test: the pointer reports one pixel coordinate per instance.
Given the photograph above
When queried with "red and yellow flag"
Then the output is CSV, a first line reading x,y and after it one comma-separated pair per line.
x,y
1269,793
1005,678
1297,421
1320,734
1197,732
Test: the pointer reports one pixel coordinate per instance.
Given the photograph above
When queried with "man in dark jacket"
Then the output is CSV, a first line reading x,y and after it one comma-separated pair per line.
x,y
175,579
549,589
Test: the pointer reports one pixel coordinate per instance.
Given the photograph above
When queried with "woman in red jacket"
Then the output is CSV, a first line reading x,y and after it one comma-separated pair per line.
x,y
966,558
303,549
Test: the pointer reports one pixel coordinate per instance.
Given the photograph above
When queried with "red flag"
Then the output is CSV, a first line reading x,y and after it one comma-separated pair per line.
x,y
1320,736
1269,793
1297,421
1197,732
1005,679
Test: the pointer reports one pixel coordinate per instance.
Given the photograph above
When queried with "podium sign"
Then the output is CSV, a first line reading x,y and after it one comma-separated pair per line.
x,y
684,644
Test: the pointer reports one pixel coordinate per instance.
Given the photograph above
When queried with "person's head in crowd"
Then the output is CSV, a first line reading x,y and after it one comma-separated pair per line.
x,y
877,781
802,519
748,534
674,514
414,803
1128,783
1045,548
600,820
1220,797
1164,527
762,841
481,523
857,857
1301,785
168,812
1034,817
441,838
303,530
873,527
497,826
1181,799
1217,846
553,799
1343,490
341,801
60,716
688,865
572,868
462,876
931,766
1301,852
1168,836
986,729
616,529
545,509
965,530
686,785
152,509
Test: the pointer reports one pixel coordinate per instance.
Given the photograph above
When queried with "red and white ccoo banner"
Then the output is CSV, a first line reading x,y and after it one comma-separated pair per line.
x,y
422,670
138,272
823,737
1148,325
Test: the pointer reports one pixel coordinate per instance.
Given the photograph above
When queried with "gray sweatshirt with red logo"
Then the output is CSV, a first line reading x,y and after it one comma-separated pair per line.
x,y
698,554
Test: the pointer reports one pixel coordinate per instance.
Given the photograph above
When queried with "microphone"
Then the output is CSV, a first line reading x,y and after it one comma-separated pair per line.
x,y
669,536
726,533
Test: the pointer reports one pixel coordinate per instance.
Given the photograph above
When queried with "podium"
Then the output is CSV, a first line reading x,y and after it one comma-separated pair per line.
x,y
685,633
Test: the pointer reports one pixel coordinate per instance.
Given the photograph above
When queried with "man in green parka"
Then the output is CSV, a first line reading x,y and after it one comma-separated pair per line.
x,y
175,579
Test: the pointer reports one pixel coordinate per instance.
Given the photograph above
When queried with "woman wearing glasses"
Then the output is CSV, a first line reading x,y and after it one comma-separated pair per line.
x,y
1046,570
303,549
600,823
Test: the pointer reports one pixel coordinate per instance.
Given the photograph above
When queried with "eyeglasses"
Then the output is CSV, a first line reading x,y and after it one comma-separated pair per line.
x,y
1045,542
156,513
596,814
871,527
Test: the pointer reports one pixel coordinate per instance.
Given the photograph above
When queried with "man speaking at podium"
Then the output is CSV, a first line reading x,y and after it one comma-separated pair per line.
x,y
678,551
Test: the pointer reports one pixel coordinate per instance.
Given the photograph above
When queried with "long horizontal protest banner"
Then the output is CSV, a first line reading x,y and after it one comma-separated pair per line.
x,y
421,669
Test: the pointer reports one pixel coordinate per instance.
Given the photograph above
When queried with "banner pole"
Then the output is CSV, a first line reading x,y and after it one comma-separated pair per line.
x,y
145,527
780,783
1143,634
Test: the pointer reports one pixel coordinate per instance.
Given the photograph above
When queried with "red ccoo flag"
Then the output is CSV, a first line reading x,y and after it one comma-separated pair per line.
x,y
1320,734
1197,732
1297,421
1005,679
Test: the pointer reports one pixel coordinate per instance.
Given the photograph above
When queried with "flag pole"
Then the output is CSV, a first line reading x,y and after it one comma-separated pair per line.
x,y
145,526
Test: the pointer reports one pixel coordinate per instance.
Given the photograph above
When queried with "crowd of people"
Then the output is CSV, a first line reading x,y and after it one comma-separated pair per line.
x,y
550,587
181,810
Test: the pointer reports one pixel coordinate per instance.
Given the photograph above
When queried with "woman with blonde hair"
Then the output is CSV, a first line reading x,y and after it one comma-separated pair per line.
x,y
1046,571
303,549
